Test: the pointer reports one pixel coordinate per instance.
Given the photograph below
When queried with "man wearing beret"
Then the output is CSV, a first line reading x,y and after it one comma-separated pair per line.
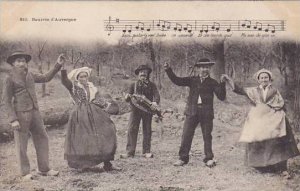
x,y
147,88
20,100
199,108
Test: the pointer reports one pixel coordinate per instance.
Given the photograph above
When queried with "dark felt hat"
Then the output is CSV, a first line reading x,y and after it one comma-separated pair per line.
x,y
18,54
142,67
204,62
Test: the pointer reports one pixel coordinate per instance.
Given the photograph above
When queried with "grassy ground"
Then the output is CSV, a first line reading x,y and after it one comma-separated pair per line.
x,y
157,173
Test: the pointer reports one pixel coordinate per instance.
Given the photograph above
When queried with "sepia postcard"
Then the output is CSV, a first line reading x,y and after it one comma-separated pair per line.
x,y
149,95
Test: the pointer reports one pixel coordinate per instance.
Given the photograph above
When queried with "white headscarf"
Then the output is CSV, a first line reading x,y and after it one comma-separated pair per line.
x,y
74,73
73,77
256,75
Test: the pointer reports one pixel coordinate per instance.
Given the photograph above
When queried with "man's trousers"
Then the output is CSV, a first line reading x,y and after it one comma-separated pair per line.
x,y
189,127
31,123
133,128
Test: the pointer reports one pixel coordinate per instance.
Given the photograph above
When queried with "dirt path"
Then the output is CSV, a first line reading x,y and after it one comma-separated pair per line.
x,y
158,173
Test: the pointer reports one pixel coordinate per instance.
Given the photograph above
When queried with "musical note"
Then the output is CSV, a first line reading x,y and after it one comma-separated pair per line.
x,y
229,28
256,26
164,25
188,28
141,27
273,30
109,27
149,28
216,26
127,28
178,27
206,30
270,26
246,23
203,26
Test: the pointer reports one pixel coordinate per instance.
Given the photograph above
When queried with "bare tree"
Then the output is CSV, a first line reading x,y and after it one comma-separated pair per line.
x,y
41,47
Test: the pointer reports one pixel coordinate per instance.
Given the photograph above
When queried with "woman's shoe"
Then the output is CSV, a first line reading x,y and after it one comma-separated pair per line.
x,y
109,167
286,175
211,163
27,177
179,163
125,156
148,155
51,172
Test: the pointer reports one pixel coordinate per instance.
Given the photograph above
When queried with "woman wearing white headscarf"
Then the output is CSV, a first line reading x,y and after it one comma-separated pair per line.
x,y
267,132
91,134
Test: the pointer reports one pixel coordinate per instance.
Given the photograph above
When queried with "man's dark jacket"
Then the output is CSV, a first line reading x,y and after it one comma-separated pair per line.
x,y
206,90
19,91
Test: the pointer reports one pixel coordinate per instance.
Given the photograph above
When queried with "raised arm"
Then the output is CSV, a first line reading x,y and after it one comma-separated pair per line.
x,y
180,81
65,80
42,78
7,97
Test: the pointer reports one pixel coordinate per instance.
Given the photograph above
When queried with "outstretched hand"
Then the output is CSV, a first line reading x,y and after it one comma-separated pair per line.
x,y
153,106
15,125
166,65
224,78
127,96
61,60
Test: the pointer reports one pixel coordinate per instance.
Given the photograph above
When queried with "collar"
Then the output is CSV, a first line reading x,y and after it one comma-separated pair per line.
x,y
92,89
203,78
144,81
19,72
267,87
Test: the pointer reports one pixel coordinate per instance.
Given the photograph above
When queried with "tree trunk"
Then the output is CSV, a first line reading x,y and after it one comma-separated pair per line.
x,y
41,49
44,84
186,52
218,52
297,101
296,65
291,62
56,118
153,60
159,72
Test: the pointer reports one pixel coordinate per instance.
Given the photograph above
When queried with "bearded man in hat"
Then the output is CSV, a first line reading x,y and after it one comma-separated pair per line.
x,y
148,89
20,100
199,108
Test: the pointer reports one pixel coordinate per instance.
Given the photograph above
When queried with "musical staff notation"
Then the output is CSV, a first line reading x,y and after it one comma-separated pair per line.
x,y
190,26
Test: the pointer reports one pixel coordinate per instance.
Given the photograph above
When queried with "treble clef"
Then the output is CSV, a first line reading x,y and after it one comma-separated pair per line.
x,y
109,26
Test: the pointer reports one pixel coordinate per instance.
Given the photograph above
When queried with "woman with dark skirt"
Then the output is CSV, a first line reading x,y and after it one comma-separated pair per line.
x,y
267,133
91,134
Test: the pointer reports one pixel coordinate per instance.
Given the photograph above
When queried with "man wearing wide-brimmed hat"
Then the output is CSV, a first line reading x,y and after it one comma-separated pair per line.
x,y
199,108
147,88
20,100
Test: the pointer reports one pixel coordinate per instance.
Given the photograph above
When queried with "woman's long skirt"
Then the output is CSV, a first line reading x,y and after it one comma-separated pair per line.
x,y
273,151
90,138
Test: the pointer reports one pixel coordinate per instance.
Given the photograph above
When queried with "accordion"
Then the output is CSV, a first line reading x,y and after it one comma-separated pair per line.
x,y
144,104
